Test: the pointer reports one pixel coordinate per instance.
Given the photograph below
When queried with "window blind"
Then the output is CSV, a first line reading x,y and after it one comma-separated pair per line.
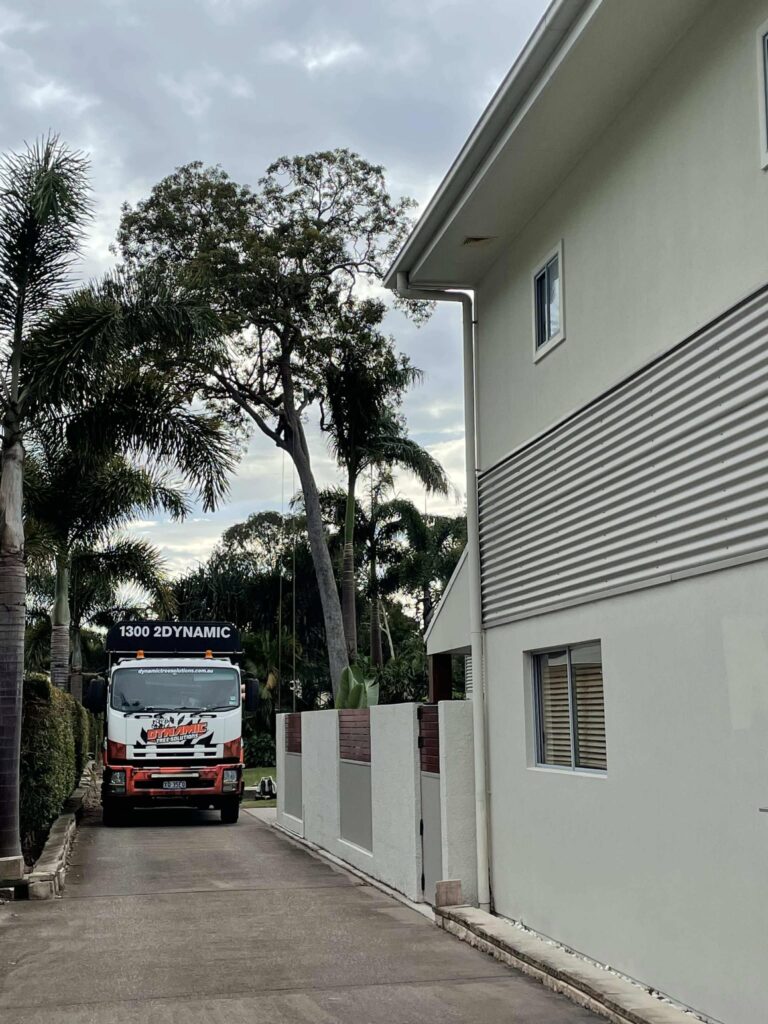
x,y
571,708
555,709
587,672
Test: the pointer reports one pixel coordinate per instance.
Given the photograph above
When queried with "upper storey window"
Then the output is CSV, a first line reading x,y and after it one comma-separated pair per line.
x,y
549,320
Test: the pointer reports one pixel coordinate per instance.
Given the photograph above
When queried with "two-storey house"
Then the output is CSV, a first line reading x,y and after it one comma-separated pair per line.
x,y
609,218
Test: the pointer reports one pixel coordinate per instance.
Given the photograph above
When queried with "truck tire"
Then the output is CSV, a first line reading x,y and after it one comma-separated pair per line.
x,y
112,813
230,811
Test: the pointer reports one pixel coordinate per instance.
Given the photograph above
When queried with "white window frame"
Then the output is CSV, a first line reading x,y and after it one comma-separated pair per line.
x,y
762,91
539,351
538,736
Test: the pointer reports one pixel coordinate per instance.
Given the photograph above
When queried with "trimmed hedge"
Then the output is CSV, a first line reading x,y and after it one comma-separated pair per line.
x,y
57,738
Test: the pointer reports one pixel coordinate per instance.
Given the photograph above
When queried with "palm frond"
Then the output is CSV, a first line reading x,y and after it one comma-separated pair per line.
x,y
97,575
44,207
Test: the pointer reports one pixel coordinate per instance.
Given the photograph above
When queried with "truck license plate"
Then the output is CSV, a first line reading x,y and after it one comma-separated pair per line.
x,y
175,784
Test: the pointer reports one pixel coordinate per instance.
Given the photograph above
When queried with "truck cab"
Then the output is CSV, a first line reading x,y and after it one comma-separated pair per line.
x,y
173,706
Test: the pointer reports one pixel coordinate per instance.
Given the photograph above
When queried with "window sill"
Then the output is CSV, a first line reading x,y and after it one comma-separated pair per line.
x,y
544,350
552,769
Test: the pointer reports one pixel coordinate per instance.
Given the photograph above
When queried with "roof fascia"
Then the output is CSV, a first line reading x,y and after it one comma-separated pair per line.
x,y
532,65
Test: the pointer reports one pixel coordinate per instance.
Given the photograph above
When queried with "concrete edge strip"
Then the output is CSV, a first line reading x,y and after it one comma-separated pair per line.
x,y
594,988
317,851
46,878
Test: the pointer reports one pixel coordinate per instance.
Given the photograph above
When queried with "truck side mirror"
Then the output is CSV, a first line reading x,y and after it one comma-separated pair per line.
x,y
252,695
95,698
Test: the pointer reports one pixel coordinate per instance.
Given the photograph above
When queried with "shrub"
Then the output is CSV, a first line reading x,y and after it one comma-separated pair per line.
x,y
56,739
259,750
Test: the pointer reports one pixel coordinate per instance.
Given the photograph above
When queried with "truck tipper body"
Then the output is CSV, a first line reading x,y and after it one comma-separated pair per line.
x,y
173,706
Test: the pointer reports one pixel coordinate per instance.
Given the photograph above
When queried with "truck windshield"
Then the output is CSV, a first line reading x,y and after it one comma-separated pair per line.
x,y
175,689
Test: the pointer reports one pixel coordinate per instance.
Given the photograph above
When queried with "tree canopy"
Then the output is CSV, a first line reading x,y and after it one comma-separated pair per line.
x,y
285,267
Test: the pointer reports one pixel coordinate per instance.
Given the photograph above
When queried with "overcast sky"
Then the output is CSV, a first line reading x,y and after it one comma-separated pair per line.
x,y
146,85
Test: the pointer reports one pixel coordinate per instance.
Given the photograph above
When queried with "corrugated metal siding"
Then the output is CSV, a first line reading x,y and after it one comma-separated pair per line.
x,y
665,474
468,675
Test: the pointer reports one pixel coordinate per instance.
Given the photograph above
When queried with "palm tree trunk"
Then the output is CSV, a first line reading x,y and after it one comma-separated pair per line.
x,y
296,444
377,654
348,610
77,651
12,620
60,620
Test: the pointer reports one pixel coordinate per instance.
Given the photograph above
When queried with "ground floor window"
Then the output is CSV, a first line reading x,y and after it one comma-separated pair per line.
x,y
569,707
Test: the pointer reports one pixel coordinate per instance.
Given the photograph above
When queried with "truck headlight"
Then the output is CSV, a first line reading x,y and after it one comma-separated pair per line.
x,y
230,775
229,780
117,778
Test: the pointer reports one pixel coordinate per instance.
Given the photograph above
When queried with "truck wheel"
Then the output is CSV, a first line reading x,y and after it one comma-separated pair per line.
x,y
230,811
112,813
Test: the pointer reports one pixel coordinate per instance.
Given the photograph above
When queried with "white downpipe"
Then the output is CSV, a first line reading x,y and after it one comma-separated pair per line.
x,y
473,565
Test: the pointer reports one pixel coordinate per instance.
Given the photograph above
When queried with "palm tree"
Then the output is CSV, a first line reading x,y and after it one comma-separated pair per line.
x,y
98,581
76,498
56,351
99,575
379,526
44,206
432,549
363,388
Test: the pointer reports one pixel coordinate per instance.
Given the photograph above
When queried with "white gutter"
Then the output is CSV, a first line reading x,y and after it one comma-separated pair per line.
x,y
473,565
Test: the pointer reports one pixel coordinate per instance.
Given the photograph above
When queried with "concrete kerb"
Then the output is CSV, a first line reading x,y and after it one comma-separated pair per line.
x,y
46,878
317,851
595,988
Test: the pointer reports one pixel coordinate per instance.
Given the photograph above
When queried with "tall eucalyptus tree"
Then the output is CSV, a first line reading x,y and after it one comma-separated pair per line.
x,y
284,265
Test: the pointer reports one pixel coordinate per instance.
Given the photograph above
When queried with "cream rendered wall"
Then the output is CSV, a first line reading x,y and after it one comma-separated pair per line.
x,y
280,763
395,857
664,226
320,776
457,795
657,868
396,797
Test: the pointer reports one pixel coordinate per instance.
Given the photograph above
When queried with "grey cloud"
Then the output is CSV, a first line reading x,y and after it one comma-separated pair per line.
x,y
146,85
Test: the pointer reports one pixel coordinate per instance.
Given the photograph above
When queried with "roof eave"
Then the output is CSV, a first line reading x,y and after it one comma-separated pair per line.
x,y
532,62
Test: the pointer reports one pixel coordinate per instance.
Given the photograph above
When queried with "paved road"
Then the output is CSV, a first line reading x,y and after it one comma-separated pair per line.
x,y
178,919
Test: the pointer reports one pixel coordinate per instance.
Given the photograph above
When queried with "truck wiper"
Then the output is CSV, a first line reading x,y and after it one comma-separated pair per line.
x,y
208,707
150,708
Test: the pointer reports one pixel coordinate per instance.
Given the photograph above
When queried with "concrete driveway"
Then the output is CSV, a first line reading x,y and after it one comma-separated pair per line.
x,y
178,919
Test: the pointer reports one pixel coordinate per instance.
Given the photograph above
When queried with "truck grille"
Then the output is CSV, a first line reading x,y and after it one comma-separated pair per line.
x,y
158,784
173,752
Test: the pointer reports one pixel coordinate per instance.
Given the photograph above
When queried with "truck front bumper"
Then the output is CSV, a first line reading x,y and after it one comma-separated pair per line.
x,y
210,782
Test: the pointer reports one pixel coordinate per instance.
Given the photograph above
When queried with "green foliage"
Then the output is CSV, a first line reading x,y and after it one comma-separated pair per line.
x,y
57,736
241,583
356,689
81,735
258,748
286,268
45,206
404,677
430,548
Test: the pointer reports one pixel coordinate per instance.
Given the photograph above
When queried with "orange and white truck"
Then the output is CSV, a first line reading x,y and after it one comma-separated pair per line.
x,y
173,705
